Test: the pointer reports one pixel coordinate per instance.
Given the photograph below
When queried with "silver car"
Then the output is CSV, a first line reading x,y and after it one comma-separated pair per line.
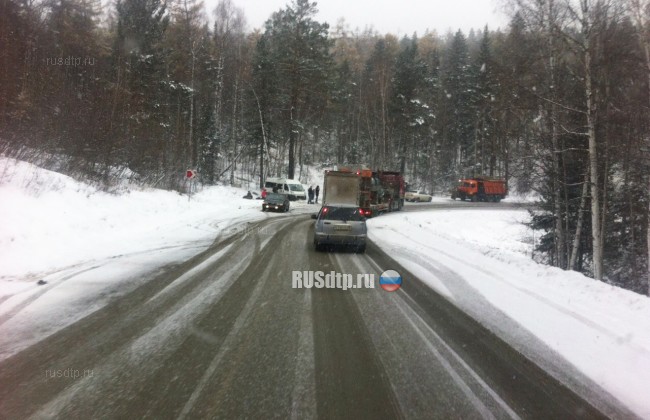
x,y
340,225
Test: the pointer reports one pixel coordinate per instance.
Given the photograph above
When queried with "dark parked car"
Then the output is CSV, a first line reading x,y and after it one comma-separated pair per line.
x,y
340,225
276,202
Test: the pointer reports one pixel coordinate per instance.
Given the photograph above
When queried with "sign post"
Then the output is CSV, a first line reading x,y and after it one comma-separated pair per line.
x,y
190,174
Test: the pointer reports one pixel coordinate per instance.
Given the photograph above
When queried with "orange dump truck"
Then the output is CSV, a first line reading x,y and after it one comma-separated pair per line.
x,y
480,189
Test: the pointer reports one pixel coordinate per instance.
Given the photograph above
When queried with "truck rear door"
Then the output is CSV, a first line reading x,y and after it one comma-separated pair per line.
x,y
341,188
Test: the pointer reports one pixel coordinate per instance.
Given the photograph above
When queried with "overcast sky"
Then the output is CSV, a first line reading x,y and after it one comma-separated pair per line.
x,y
400,17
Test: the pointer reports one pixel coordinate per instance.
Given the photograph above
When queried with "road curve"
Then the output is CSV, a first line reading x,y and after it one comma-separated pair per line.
x,y
225,335
466,205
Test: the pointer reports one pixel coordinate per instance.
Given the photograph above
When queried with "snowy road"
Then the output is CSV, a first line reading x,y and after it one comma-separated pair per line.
x,y
225,335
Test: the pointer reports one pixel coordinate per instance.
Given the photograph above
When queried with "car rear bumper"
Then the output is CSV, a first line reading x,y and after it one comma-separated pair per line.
x,y
323,238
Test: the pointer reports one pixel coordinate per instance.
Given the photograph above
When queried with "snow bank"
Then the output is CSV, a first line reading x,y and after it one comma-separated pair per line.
x,y
50,221
481,261
91,247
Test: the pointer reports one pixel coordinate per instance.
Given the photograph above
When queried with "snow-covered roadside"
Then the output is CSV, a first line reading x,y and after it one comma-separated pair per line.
x,y
49,221
90,246
480,260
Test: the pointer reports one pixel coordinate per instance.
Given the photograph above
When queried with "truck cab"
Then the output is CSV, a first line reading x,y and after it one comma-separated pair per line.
x,y
466,189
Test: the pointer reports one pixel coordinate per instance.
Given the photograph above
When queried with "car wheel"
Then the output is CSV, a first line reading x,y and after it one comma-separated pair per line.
x,y
361,249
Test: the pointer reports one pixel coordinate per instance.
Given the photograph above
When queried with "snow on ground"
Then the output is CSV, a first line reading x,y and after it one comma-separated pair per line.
x,y
50,221
529,197
480,260
91,246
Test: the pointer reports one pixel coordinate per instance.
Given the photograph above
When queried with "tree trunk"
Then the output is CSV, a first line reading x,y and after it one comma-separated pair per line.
x,y
263,145
581,217
593,148
191,145
644,39
384,146
292,144
560,239
233,134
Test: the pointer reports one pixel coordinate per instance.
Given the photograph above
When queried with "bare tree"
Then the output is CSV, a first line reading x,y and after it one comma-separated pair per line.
x,y
640,10
545,17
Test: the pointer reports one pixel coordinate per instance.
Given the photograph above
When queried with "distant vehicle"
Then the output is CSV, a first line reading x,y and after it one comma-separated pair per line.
x,y
409,195
415,196
275,202
342,224
372,191
290,187
480,189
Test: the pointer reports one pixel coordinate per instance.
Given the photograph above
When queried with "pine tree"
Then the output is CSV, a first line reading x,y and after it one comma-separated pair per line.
x,y
406,102
141,62
458,129
431,90
301,63
485,148
345,114
73,25
377,76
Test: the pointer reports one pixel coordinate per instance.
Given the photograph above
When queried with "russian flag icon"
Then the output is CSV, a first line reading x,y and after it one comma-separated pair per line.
x,y
390,280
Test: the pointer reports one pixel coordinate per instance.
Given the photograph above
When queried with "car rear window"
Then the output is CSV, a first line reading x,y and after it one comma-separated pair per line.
x,y
341,213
